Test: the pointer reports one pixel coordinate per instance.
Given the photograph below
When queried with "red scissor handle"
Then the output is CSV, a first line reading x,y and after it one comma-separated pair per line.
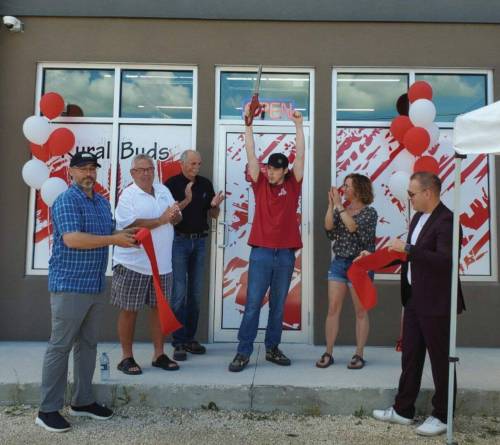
x,y
254,110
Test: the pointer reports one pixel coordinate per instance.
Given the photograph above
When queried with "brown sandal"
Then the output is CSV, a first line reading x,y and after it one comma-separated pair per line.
x,y
321,362
357,362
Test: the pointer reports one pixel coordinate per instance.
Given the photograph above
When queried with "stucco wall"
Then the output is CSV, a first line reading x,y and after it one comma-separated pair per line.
x,y
24,308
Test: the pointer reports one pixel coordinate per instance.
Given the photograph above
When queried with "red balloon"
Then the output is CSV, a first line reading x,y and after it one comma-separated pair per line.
x,y
399,126
51,105
61,141
40,152
420,90
416,140
426,164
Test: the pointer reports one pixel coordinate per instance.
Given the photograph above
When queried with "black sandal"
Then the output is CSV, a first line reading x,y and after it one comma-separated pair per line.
x,y
165,363
357,362
126,366
321,364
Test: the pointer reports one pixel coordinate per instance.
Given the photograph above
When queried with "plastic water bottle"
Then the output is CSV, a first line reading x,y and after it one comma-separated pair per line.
x,y
104,364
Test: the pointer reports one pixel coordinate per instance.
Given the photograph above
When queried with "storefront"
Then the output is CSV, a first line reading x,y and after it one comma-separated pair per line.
x,y
162,84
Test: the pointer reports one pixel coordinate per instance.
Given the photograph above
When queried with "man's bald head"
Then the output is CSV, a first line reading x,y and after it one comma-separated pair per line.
x,y
190,164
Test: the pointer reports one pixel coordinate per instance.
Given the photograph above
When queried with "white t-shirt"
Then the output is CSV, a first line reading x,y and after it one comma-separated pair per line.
x,y
134,203
414,237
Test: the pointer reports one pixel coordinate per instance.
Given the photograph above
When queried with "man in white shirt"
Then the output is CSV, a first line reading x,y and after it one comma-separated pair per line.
x,y
151,205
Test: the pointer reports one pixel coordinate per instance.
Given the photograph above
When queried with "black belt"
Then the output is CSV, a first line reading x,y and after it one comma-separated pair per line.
x,y
192,235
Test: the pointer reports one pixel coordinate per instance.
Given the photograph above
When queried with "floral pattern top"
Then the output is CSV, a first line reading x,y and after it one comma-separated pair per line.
x,y
349,245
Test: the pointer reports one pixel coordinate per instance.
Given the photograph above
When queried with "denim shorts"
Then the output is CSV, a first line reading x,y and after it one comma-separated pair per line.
x,y
338,270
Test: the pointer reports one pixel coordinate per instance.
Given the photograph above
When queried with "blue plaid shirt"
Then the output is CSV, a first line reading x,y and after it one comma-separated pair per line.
x,y
79,270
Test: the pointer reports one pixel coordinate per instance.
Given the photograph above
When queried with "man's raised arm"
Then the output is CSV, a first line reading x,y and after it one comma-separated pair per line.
x,y
300,145
253,163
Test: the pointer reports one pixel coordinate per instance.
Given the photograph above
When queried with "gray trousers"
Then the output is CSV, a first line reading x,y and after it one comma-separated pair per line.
x,y
75,321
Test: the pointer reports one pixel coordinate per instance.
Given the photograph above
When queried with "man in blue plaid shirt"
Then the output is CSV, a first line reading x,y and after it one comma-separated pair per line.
x,y
83,230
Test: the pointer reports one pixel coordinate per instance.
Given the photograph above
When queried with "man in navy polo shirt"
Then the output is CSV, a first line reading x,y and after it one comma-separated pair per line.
x,y
83,230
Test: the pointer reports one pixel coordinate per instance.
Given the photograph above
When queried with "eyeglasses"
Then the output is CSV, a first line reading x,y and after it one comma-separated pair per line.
x,y
412,194
92,169
141,171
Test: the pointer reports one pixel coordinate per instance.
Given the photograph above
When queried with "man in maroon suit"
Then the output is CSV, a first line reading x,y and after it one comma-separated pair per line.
x,y
426,296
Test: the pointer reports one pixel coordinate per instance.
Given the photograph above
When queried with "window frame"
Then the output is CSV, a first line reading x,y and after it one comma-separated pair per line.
x,y
115,121
245,69
220,125
412,72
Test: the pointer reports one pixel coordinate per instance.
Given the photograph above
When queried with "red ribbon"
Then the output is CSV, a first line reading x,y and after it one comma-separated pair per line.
x,y
168,321
358,274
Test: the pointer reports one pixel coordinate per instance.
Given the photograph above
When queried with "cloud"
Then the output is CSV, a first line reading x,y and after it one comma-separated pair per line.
x,y
153,89
380,96
455,85
88,89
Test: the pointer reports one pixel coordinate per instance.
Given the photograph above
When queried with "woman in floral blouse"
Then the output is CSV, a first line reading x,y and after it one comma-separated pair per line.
x,y
352,228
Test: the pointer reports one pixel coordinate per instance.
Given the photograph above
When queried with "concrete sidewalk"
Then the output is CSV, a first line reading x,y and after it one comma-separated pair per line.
x,y
301,388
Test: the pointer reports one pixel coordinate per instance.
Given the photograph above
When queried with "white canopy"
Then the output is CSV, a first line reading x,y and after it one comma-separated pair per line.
x,y
478,131
475,133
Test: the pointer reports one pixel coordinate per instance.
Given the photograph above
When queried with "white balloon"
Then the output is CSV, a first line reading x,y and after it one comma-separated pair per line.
x,y
403,161
36,129
35,173
398,185
433,131
422,113
51,189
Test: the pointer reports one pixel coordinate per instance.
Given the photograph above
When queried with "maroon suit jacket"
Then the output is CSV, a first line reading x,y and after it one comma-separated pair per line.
x,y
431,259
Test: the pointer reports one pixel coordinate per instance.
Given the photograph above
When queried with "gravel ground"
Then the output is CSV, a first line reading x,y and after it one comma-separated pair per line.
x,y
133,425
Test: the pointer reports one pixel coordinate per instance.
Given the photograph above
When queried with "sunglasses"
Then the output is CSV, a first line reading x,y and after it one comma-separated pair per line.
x,y
412,194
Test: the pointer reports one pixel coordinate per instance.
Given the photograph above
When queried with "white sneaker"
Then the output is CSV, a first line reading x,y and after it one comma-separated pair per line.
x,y
431,427
390,415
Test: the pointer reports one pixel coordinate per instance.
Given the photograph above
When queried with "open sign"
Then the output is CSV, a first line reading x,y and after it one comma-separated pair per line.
x,y
274,109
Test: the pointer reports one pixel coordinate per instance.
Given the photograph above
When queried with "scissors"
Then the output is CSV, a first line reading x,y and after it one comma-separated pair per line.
x,y
255,106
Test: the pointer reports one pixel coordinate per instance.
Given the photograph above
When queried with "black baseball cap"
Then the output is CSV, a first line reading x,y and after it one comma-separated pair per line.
x,y
278,160
82,158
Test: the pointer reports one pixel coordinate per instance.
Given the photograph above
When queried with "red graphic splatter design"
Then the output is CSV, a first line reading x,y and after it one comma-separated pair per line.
x,y
239,203
373,152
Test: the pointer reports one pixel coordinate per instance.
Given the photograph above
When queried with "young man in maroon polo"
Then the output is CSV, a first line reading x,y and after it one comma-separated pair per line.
x,y
274,238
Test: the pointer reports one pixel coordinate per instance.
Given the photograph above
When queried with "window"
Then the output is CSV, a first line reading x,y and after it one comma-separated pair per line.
x,y
364,106
369,97
115,112
279,92
157,94
87,92
455,94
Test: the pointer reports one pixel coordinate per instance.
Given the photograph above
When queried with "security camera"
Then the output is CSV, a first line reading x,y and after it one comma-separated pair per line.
x,y
13,24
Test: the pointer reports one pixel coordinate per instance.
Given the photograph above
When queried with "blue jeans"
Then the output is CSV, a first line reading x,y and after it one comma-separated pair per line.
x,y
188,257
268,268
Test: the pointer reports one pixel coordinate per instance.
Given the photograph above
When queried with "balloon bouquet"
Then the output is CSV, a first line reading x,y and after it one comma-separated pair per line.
x,y
45,143
416,132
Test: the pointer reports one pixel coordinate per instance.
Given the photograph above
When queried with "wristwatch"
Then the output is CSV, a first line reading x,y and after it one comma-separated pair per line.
x,y
407,248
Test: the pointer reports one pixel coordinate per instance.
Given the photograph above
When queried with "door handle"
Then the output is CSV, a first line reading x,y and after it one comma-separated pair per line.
x,y
226,235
